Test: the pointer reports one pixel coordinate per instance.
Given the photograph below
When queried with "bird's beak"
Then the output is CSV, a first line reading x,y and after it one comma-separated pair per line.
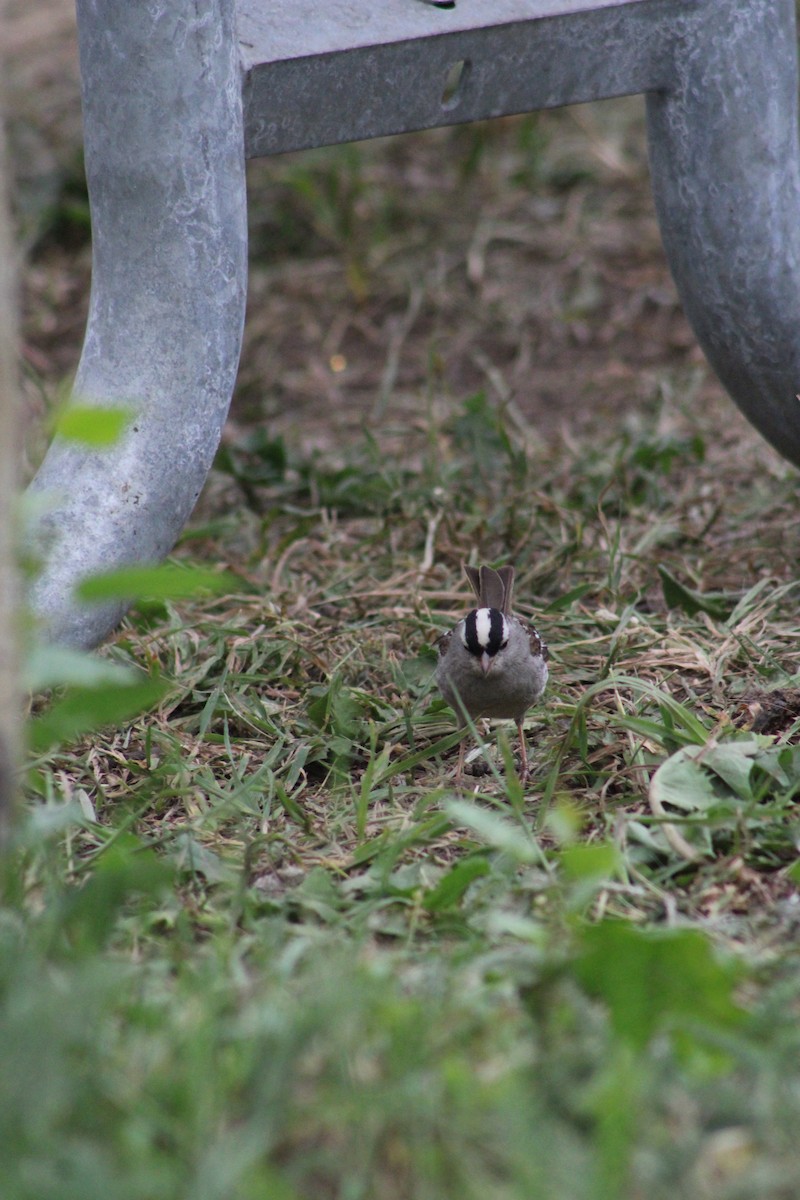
x,y
486,662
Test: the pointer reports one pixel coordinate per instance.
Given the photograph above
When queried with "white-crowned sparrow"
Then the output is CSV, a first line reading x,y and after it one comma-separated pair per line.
x,y
492,664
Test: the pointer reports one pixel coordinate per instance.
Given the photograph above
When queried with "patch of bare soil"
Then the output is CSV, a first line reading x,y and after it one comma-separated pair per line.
x,y
770,712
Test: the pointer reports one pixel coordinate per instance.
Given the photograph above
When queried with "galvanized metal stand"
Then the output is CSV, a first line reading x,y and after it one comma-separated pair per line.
x,y
176,96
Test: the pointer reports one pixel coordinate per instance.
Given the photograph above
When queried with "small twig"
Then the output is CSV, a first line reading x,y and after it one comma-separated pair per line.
x,y
430,541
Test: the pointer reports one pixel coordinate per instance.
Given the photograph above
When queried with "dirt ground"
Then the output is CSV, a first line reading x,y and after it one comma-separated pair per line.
x,y
520,257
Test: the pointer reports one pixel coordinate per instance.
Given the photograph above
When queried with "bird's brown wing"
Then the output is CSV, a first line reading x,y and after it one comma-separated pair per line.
x,y
538,644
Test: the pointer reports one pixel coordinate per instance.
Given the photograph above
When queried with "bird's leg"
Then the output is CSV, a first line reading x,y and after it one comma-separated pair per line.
x,y
523,753
460,767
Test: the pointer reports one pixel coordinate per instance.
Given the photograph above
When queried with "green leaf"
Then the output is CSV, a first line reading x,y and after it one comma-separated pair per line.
x,y
677,595
256,459
683,783
568,599
514,789
480,431
696,778
413,760
593,862
125,870
452,886
167,582
733,762
655,981
84,709
93,425
193,858
493,830
49,666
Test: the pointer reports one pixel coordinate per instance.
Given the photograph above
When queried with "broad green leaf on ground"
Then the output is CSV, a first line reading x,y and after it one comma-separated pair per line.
x,y
681,782
723,790
739,764
697,778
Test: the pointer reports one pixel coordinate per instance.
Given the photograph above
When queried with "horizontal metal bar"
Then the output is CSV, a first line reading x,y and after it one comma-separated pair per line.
x,y
350,69
275,30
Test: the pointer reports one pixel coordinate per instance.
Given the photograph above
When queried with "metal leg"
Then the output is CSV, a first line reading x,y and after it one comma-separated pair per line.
x,y
165,165
724,156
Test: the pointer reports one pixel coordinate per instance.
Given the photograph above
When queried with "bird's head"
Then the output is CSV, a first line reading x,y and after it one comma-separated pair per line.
x,y
484,634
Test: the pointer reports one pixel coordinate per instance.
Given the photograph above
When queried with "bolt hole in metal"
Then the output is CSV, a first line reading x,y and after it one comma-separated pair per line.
x,y
454,82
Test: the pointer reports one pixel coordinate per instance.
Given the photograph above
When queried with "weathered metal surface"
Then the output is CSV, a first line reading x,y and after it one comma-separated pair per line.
x,y
318,74
165,166
726,180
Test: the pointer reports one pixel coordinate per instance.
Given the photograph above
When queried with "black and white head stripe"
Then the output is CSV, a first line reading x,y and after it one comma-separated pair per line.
x,y
485,631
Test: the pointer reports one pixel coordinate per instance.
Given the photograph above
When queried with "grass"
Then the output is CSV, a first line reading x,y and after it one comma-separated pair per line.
x,y
254,941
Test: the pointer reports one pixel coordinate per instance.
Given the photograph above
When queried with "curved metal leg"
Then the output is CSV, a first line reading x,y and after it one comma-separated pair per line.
x,y
726,179
165,164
